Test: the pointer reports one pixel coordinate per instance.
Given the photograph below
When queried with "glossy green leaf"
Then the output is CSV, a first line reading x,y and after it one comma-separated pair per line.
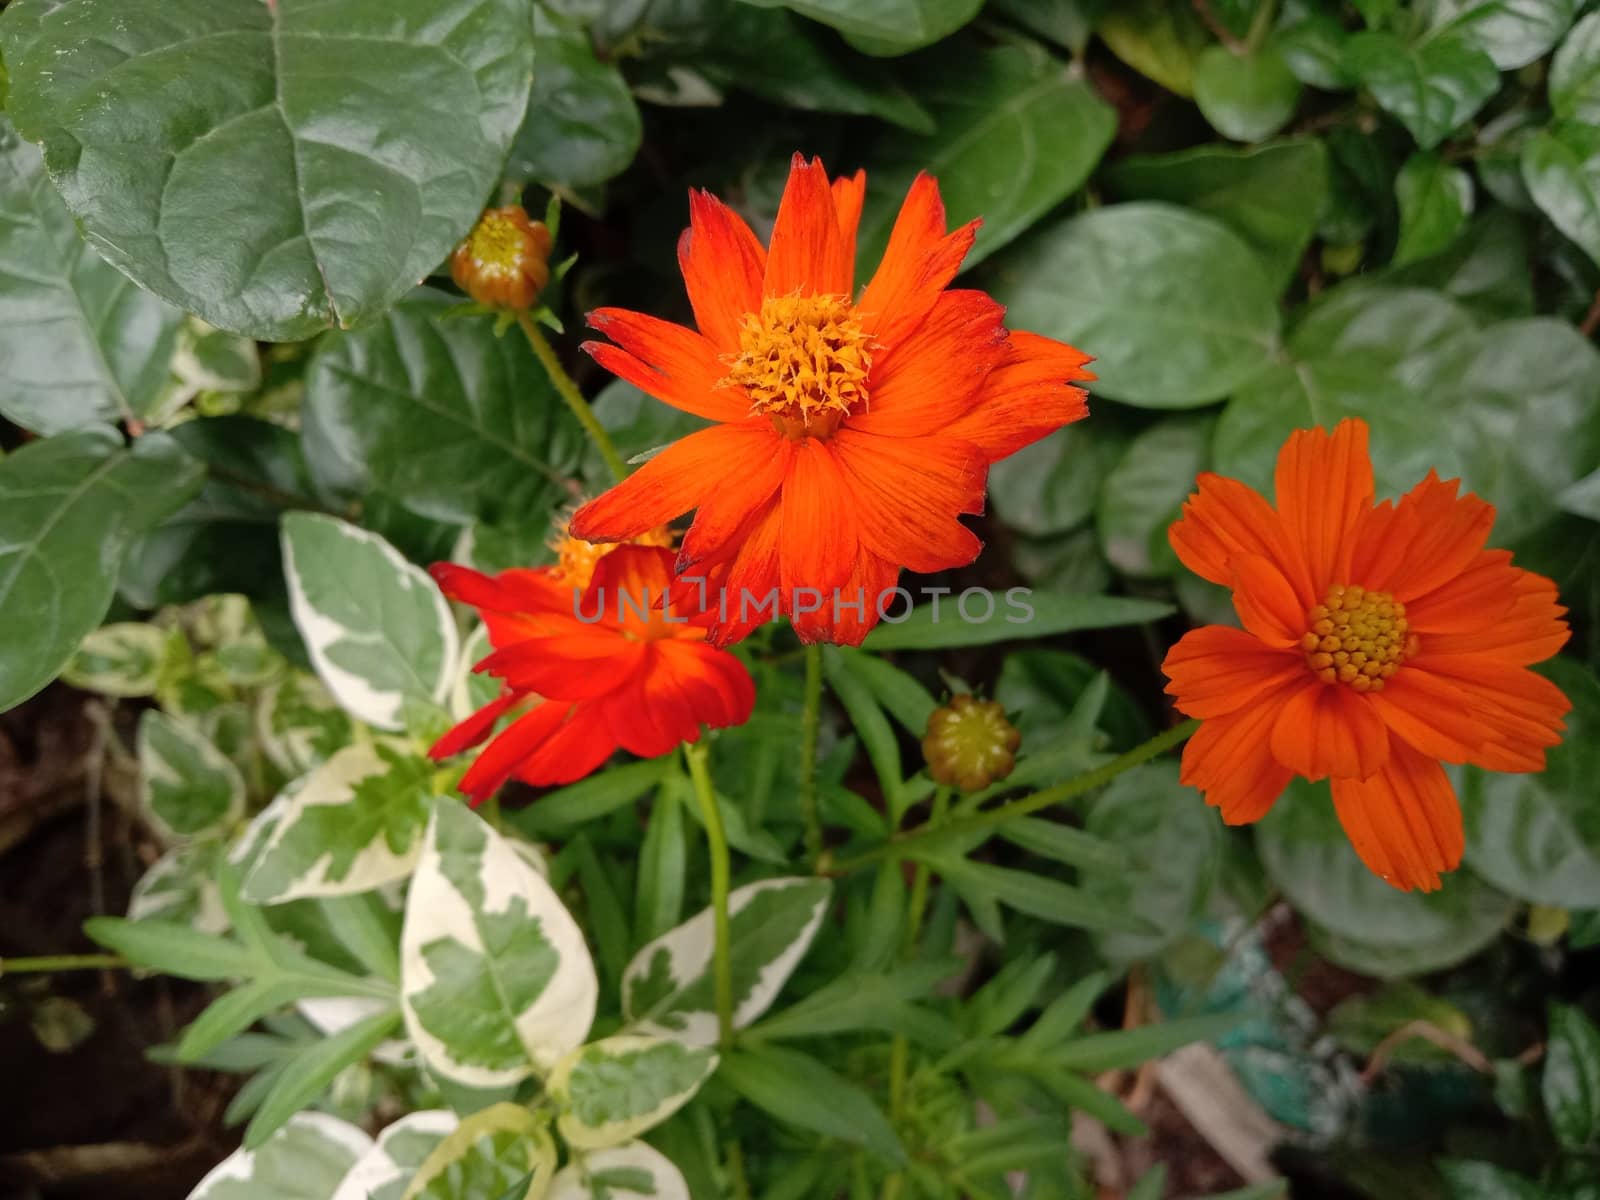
x,y
1486,269
80,342
1575,73
1246,97
1145,491
1051,486
1571,1077
440,415
186,784
304,1160
1173,842
1435,201
1143,298
1268,195
376,627
1314,49
1512,32
1431,87
496,980
799,1090
668,990
1011,113
312,161
1537,836
785,59
69,507
582,126
1370,926
1159,40
1068,23
977,620
885,26
613,1090
1561,166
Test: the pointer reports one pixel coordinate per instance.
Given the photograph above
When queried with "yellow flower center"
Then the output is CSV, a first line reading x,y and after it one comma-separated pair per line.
x,y
497,242
1357,637
804,361
970,744
576,559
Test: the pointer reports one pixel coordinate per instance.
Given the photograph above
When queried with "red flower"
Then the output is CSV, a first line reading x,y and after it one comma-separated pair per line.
x,y
585,673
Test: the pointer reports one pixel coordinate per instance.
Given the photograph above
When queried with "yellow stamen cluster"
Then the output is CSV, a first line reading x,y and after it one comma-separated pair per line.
x,y
804,361
1358,637
576,559
970,744
505,261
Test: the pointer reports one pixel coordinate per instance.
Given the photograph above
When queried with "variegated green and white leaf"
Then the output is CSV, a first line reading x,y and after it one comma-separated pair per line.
x,y
331,1015
495,979
613,1090
208,359
123,659
186,784
181,886
378,630
471,690
487,1156
384,1172
668,990
300,724
353,824
635,1171
304,1160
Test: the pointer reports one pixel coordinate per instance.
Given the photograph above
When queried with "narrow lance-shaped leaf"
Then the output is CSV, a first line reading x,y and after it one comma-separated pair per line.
x,y
668,989
496,981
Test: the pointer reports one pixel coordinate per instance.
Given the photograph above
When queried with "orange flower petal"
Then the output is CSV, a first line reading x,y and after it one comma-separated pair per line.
x,y
1230,759
933,377
1529,632
1471,599
569,668
807,256
673,482
917,264
723,266
1324,489
737,592
473,730
1431,537
818,539
576,747
1266,601
725,514
849,191
909,494
1215,670
1520,714
675,365
862,596
516,742
1326,729
1404,821
1224,520
1431,713
1026,398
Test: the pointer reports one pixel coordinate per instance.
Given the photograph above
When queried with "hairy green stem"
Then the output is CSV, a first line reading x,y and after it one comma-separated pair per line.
x,y
570,393
717,844
47,963
1069,790
810,724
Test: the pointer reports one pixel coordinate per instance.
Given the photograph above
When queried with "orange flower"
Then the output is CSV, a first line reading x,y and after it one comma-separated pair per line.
x,y
588,671
1377,641
851,434
505,261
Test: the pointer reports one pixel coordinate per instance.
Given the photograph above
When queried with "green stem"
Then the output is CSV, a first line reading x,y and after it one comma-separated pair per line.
x,y
717,844
1069,790
570,393
810,724
47,963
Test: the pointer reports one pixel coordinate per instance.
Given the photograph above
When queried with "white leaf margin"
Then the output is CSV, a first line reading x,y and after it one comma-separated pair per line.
x,y
572,1181
338,1137
380,709
379,1168
689,950
559,1020
582,1136
153,766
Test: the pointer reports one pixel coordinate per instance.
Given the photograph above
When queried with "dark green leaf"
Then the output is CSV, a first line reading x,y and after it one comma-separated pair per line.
x,y
80,342
1575,73
1561,166
885,26
801,1091
275,168
1571,1085
1016,615
1468,1180
1432,87
1512,32
1065,844
69,507
1268,195
563,810
1098,1052
1050,487
303,1078
1011,113
900,695
1038,896
1159,40
1143,301
1068,23
1435,201
1485,270
1246,97
1314,49
1145,491
582,126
